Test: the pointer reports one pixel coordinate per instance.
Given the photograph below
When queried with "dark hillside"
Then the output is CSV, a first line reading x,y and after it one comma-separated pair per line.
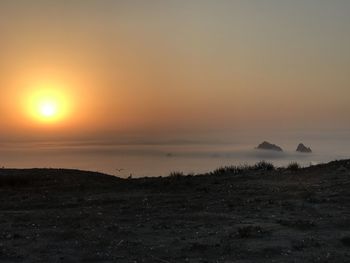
x,y
241,214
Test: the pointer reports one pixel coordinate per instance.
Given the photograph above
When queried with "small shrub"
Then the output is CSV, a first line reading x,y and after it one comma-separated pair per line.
x,y
293,166
232,170
227,170
238,169
176,174
264,166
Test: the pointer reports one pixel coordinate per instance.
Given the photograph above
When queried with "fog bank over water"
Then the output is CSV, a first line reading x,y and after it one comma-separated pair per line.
x,y
140,157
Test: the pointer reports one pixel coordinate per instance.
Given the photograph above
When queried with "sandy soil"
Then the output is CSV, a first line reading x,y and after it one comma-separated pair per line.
x,y
248,216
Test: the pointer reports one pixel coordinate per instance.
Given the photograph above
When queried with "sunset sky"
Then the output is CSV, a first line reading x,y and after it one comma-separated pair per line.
x,y
97,68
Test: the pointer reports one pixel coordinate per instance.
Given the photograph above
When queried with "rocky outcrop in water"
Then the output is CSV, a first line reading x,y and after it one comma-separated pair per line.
x,y
303,149
269,146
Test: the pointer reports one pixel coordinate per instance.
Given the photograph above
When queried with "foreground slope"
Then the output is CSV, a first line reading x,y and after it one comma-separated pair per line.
x,y
251,215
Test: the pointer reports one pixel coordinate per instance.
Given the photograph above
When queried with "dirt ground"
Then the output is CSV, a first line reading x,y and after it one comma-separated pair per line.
x,y
283,215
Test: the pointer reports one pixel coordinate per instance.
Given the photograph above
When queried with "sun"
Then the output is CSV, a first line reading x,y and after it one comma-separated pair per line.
x,y
48,109
48,105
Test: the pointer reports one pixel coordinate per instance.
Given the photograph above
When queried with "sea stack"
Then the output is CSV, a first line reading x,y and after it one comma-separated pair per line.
x,y
269,146
303,149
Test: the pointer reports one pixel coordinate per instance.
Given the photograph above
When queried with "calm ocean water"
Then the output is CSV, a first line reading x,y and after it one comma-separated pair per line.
x,y
161,159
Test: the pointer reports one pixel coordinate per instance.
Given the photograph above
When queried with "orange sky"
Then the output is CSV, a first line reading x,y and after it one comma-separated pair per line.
x,y
176,66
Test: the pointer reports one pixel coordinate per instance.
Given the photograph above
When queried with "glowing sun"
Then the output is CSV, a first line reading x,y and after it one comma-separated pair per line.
x,y
48,109
48,105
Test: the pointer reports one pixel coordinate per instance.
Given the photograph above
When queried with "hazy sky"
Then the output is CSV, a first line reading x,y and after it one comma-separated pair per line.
x,y
181,66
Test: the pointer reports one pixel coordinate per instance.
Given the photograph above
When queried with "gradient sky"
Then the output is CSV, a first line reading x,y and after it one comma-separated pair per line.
x,y
181,66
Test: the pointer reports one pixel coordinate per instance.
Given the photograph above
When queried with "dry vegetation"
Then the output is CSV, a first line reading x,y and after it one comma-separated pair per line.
x,y
235,214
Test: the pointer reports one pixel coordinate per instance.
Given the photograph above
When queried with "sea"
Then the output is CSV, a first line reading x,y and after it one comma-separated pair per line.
x,y
153,159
